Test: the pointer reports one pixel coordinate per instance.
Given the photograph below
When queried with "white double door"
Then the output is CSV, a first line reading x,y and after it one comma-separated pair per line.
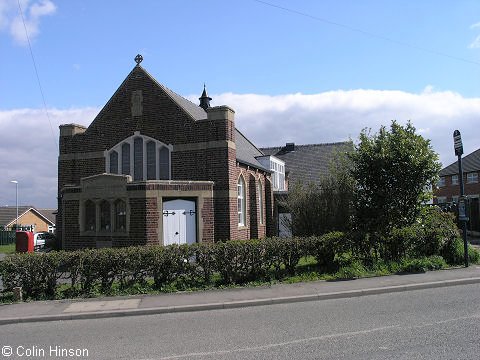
x,y
179,222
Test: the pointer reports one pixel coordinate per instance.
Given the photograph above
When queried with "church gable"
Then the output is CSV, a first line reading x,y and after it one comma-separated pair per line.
x,y
142,104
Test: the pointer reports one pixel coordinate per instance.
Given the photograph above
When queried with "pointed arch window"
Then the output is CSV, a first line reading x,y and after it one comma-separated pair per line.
x,y
114,162
260,201
241,202
138,158
141,156
151,161
164,163
125,159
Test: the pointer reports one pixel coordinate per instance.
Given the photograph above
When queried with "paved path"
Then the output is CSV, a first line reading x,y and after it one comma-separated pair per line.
x,y
231,298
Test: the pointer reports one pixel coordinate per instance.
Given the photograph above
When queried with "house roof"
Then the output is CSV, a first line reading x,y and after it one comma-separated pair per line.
x,y
307,163
470,163
8,214
50,214
195,111
247,152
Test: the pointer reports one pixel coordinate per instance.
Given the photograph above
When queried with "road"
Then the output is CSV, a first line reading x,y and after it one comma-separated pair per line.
x,y
442,323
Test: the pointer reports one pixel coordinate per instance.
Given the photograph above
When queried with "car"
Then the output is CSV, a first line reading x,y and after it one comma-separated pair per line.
x,y
44,240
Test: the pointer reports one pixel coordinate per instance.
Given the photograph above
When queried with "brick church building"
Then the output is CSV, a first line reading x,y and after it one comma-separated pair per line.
x,y
155,168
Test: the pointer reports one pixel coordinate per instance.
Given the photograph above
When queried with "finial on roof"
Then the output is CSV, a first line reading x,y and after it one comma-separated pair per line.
x,y
138,59
204,99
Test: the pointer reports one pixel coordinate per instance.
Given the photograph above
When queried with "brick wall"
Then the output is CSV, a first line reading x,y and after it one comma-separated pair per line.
x,y
450,190
164,120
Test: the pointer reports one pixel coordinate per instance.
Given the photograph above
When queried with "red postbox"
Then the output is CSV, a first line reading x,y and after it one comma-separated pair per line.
x,y
24,241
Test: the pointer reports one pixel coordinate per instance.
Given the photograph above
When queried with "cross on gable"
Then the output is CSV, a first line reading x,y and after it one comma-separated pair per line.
x,y
138,59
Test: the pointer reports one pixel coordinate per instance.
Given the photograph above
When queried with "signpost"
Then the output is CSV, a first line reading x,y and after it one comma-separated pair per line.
x,y
462,202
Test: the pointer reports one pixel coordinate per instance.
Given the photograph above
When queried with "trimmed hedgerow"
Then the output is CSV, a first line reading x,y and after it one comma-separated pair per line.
x,y
107,271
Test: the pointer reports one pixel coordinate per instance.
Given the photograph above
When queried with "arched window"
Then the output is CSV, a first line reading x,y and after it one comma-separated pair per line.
x,y
105,222
120,216
126,159
241,202
260,201
164,163
151,161
90,216
141,156
138,158
114,162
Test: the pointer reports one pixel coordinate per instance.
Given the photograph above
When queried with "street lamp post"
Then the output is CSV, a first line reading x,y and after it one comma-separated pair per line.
x,y
16,202
462,202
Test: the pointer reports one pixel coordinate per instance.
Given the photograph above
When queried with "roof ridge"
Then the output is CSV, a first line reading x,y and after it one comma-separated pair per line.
x,y
303,145
169,93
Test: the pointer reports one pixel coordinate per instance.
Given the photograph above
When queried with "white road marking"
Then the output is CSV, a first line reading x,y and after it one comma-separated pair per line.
x,y
316,338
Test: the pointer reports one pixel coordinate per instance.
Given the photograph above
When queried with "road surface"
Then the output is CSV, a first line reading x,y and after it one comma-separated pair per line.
x,y
442,323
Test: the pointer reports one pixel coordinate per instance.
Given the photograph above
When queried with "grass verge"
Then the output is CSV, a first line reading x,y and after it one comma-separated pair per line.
x,y
7,249
307,270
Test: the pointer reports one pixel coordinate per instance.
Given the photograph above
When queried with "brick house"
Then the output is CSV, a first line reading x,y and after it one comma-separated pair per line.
x,y
448,188
28,217
155,168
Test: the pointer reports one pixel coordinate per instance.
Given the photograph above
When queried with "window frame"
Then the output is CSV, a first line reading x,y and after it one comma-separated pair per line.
x,y
471,179
133,158
105,216
441,182
241,201
454,179
117,215
260,202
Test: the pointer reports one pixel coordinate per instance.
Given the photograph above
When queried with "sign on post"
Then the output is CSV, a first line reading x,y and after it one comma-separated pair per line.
x,y
457,143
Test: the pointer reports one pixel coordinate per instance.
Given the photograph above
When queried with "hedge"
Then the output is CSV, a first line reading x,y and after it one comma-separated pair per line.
x,y
102,271
84,272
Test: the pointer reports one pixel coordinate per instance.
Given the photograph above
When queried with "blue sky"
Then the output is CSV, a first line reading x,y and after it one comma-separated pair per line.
x,y
303,71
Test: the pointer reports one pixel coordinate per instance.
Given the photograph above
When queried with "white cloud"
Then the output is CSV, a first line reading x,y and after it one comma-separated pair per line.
x,y
29,154
33,11
475,44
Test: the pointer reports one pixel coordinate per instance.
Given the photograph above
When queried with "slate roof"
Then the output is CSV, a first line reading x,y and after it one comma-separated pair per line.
x,y
247,152
50,214
195,111
9,213
470,163
307,163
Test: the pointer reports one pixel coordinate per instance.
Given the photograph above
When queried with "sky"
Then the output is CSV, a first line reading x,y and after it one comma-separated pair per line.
x,y
294,71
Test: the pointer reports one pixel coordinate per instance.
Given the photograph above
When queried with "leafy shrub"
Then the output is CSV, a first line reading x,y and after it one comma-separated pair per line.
x,y
324,248
428,236
453,252
285,253
422,264
240,261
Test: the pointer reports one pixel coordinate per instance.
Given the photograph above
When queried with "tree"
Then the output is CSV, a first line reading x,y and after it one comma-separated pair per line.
x,y
318,208
393,172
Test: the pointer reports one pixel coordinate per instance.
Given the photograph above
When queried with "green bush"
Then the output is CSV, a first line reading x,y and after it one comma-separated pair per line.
x,y
325,247
240,261
422,264
433,230
453,252
107,271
